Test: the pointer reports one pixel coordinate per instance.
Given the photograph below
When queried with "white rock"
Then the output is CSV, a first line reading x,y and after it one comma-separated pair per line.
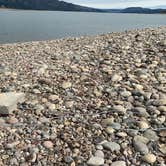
x,y
9,101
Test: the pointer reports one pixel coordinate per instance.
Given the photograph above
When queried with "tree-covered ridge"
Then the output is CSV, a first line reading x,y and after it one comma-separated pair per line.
x,y
44,5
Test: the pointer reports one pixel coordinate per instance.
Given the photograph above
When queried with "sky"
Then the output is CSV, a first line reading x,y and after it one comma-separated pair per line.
x,y
119,3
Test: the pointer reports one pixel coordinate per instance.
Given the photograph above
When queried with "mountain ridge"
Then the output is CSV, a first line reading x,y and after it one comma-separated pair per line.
x,y
54,5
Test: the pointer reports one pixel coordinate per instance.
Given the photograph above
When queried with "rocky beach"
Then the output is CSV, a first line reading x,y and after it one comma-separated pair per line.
x,y
98,101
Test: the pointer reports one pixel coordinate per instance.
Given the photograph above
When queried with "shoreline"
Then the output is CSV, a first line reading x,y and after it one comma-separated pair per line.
x,y
94,100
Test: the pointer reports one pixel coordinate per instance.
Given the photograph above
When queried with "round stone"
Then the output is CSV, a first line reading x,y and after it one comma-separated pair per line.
x,y
95,161
48,144
149,158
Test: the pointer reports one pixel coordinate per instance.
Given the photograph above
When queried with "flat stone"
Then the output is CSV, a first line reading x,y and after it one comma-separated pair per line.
x,y
95,161
151,135
112,146
118,163
9,102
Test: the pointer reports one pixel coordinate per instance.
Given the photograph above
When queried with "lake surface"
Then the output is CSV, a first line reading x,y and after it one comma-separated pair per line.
x,y
18,25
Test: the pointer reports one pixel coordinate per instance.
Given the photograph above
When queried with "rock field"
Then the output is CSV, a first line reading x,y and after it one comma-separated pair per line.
x,y
98,101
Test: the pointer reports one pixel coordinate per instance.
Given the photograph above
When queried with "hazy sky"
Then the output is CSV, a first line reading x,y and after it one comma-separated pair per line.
x,y
118,3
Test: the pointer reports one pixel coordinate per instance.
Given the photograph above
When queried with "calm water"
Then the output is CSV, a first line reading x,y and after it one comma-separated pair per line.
x,y
16,26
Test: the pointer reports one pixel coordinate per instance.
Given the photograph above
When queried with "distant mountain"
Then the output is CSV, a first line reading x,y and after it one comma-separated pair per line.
x,y
139,10
159,7
45,5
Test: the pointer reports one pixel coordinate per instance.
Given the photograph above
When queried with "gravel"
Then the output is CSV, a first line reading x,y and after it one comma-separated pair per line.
x,y
91,100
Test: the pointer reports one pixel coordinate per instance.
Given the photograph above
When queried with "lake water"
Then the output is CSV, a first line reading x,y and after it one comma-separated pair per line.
x,y
18,25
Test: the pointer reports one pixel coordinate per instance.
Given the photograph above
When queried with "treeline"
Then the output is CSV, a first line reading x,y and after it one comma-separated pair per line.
x,y
44,5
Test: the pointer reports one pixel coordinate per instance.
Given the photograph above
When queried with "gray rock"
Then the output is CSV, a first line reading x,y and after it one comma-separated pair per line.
x,y
9,102
141,147
151,135
95,161
113,146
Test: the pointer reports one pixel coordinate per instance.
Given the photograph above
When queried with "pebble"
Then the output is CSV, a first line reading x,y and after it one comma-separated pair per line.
x,y
112,146
66,85
116,78
119,109
141,139
140,147
162,108
116,126
118,163
99,153
151,135
143,125
140,111
95,161
48,144
108,121
12,120
109,130
149,158
121,134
